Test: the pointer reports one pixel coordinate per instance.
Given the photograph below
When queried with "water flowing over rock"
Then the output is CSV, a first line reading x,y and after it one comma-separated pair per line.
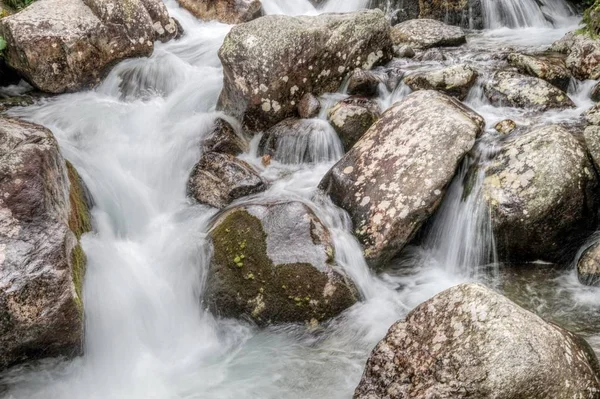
x,y
427,33
583,55
395,176
219,179
352,117
516,90
541,189
224,139
226,11
43,213
470,342
296,141
552,70
274,263
463,13
588,266
67,45
456,80
271,62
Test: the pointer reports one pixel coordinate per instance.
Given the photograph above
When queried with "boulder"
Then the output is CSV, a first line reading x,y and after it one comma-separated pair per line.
x,y
395,176
219,179
43,212
271,62
515,90
456,80
274,263
583,55
595,93
471,342
364,83
352,117
588,266
226,11
541,190
506,126
296,141
224,139
550,69
309,106
67,45
427,33
403,51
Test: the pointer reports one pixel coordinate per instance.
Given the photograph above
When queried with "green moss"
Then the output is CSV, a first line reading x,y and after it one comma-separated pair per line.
x,y
79,223
260,290
591,20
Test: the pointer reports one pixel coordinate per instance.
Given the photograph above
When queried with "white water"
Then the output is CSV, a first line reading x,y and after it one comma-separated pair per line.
x,y
147,335
525,13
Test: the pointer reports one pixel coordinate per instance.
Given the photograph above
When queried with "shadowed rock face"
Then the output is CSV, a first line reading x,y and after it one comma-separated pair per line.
x,y
42,214
395,176
270,63
470,342
515,90
226,11
541,189
66,45
274,263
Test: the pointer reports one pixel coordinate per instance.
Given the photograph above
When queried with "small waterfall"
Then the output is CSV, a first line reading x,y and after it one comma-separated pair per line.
x,y
524,13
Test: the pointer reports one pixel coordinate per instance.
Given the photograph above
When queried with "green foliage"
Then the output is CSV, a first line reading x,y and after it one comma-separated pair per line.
x,y
2,44
18,4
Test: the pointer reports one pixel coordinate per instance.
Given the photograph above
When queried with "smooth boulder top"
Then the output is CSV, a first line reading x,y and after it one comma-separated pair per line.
x,y
269,64
395,176
471,342
427,33
455,80
66,45
226,11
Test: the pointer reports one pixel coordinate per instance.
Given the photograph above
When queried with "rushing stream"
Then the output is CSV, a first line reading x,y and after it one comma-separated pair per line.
x,y
135,140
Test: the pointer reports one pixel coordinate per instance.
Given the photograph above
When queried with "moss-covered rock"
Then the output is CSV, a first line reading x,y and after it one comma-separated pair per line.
x,y
274,263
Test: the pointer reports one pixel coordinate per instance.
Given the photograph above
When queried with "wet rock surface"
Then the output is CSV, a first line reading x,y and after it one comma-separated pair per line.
x,y
270,63
309,106
224,139
395,176
583,55
456,80
552,70
67,45
43,213
470,342
588,266
516,90
274,263
226,11
219,179
352,117
541,189
427,33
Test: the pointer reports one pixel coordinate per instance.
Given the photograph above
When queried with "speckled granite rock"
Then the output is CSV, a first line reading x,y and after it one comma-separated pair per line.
x,y
226,11
541,189
456,80
552,70
395,176
583,55
270,63
588,266
66,45
427,33
470,342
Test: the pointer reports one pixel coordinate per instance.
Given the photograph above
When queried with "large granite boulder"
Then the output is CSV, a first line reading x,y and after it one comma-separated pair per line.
x,y
427,33
470,342
550,69
542,193
515,90
226,11
274,263
270,63
67,45
43,212
395,176
456,80
583,55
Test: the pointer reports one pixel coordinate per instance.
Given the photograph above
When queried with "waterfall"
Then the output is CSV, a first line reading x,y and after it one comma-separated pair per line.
x,y
524,13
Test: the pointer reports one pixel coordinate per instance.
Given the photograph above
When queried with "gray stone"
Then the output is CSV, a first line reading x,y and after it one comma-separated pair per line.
x,y
219,179
224,139
470,342
352,117
403,51
588,266
456,80
427,33
521,91
67,45
541,190
274,263
583,55
263,83
395,176
364,83
309,106
550,69
226,11
506,126
43,212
